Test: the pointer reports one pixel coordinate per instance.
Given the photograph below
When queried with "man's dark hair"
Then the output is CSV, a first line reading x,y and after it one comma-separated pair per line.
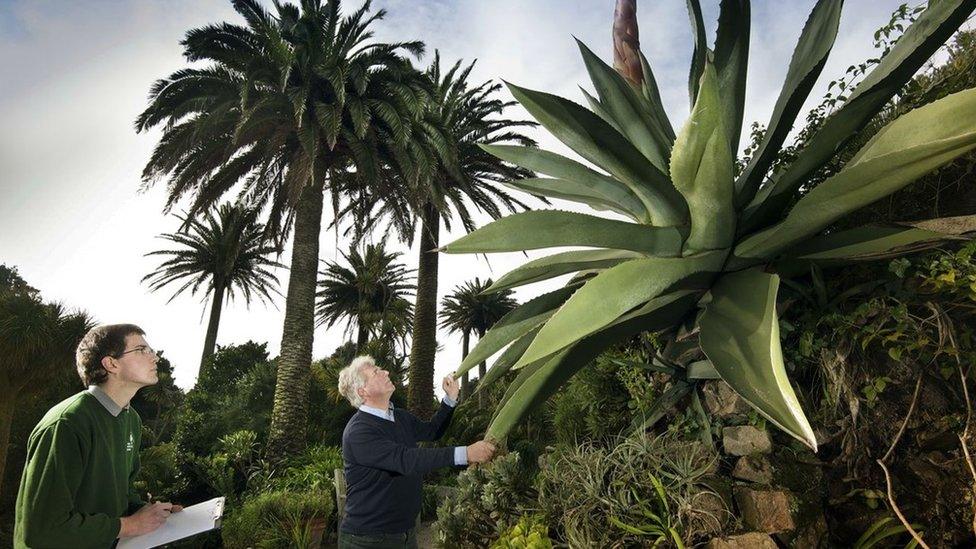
x,y
98,343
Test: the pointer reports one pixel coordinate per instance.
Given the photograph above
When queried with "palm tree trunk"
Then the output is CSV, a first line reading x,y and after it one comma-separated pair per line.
x,y
6,421
482,368
210,342
289,417
420,397
465,380
362,337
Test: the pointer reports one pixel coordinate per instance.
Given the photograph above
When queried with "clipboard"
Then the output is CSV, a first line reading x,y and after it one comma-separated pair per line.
x,y
192,520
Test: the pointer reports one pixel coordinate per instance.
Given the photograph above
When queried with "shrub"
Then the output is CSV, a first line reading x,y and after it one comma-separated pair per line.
x,y
158,474
278,519
489,500
530,532
313,470
592,406
632,493
429,501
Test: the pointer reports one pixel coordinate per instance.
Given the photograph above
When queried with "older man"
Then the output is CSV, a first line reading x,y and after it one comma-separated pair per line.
x,y
384,467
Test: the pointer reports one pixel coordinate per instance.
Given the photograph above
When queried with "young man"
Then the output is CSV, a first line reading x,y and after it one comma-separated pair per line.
x,y
83,456
384,468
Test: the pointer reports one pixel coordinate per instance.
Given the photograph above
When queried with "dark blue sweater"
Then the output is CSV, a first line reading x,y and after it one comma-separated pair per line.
x,y
384,469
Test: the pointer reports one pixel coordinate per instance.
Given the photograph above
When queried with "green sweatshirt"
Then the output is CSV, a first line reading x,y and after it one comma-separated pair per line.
x,y
77,482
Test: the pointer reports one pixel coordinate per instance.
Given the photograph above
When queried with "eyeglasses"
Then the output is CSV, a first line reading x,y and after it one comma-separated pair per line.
x,y
142,349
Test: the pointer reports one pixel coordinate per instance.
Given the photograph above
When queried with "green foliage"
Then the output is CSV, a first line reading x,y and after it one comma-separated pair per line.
x,y
159,405
918,311
598,403
279,519
430,500
224,421
373,293
635,492
654,515
223,254
530,532
229,364
490,499
37,352
12,283
470,309
313,470
158,473
883,529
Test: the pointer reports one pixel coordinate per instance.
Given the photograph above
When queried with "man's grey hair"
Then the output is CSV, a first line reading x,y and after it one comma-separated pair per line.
x,y
351,379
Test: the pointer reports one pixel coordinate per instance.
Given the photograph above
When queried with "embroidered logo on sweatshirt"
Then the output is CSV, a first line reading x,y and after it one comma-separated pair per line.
x,y
130,444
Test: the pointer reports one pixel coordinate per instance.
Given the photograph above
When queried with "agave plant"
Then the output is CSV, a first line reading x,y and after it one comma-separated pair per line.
x,y
703,247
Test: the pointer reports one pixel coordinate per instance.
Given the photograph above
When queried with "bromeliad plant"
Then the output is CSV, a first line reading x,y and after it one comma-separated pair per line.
x,y
702,248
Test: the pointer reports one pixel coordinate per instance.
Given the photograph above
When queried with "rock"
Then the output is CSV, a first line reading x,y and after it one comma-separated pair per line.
x,y
765,510
744,440
754,469
710,513
812,536
752,540
722,401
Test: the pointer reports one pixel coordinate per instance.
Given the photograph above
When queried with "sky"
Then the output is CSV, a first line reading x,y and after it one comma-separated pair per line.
x,y
76,221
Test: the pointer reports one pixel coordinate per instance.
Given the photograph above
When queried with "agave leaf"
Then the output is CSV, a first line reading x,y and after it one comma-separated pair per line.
x,y
551,228
612,293
507,359
560,167
565,189
731,63
702,170
598,142
701,52
521,377
627,109
540,381
807,62
559,264
873,242
866,243
514,325
740,336
911,146
920,40
702,369
653,97
661,406
598,108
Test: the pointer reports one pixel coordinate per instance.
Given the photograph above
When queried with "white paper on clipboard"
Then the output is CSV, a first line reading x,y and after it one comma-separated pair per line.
x,y
190,521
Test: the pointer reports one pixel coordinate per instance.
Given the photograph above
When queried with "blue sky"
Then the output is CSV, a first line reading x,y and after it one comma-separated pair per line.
x,y
76,74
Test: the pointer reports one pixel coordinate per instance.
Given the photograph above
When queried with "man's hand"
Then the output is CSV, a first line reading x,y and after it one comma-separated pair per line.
x,y
148,518
451,387
480,452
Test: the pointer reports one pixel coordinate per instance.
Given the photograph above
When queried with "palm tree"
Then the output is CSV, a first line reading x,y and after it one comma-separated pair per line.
x,y
223,253
704,246
290,104
471,116
37,348
373,293
469,310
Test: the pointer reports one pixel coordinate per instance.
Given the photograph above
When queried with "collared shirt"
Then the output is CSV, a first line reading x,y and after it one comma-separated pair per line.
x,y
106,401
460,452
